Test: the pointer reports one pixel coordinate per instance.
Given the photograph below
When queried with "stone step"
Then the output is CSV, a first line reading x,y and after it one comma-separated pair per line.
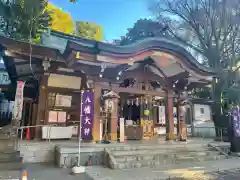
x,y
5,139
7,146
158,164
159,147
156,152
10,156
153,156
186,159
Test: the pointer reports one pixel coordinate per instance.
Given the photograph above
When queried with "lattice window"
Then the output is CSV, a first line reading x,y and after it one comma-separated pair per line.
x,y
51,99
75,100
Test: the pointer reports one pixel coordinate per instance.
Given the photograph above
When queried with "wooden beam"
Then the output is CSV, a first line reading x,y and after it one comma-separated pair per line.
x,y
24,54
131,90
179,76
17,55
71,59
155,64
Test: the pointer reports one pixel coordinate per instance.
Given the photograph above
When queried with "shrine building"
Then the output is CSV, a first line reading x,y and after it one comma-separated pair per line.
x,y
109,89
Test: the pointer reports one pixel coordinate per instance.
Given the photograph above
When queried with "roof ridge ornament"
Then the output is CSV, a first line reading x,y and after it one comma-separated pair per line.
x,y
111,94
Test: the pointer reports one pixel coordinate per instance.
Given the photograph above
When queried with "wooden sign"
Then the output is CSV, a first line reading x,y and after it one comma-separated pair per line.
x,y
63,101
147,129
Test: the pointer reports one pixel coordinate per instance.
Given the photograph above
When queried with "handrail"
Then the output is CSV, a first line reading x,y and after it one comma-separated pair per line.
x,y
24,127
21,128
219,150
220,130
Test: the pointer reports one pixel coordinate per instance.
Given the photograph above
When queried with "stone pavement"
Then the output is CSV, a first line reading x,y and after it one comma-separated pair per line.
x,y
201,171
224,170
43,172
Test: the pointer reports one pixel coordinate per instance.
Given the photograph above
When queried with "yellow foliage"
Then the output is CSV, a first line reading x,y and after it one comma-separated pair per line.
x,y
89,30
99,34
61,20
189,174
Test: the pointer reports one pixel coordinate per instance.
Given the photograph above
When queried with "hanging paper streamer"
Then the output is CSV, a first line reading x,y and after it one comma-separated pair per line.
x,y
87,115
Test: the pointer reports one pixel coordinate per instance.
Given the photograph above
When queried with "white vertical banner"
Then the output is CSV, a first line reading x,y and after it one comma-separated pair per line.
x,y
18,103
175,115
162,117
122,128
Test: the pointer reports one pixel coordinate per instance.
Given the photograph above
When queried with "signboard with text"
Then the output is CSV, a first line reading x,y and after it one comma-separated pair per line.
x,y
236,121
87,115
4,78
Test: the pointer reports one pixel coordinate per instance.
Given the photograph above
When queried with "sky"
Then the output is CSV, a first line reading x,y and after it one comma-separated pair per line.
x,y
115,16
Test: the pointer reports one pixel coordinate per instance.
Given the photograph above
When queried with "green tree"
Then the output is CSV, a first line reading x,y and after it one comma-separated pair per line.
x,y
89,30
142,29
210,28
22,19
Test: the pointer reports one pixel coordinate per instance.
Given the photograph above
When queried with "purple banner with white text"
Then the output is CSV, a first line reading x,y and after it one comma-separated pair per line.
x,y
87,115
236,121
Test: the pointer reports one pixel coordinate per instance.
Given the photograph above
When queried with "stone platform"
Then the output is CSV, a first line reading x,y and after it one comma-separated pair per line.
x,y
140,152
10,158
155,156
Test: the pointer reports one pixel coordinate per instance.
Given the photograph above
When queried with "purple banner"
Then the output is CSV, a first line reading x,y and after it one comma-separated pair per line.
x,y
236,121
87,115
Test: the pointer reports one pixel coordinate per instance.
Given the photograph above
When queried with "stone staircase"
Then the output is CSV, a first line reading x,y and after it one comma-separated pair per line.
x,y
9,157
159,156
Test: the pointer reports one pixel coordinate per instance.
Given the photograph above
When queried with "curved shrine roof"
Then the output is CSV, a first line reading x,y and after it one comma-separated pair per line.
x,y
122,52
168,57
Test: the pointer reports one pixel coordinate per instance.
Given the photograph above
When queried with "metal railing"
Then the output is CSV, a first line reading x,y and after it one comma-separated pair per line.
x,y
22,128
219,150
219,133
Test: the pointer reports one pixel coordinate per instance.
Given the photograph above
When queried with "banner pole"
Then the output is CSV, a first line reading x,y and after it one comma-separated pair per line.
x,y
79,169
80,131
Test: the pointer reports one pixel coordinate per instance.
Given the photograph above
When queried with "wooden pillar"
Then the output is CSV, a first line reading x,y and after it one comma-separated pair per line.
x,y
42,105
169,114
182,125
96,123
114,120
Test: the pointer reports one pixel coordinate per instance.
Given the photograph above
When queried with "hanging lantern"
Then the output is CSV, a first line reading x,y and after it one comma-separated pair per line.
x,y
46,65
146,112
109,105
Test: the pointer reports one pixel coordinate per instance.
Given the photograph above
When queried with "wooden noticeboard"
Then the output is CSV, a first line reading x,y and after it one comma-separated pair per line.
x,y
148,129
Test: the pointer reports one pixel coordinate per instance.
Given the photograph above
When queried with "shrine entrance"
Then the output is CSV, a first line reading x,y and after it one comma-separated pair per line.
x,y
150,78
141,115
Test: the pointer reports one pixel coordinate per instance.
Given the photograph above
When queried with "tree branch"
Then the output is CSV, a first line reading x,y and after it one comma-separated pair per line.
x,y
185,42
